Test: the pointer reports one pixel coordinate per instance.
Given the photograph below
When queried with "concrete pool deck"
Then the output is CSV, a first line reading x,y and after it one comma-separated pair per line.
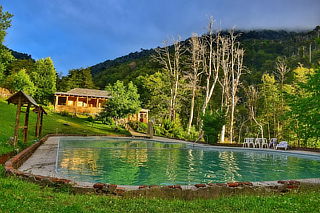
x,y
38,163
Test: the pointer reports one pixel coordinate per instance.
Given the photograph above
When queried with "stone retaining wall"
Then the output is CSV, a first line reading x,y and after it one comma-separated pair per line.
x,y
210,190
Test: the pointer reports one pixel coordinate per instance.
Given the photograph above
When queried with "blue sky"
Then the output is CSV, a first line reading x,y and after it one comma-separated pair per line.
x,y
81,33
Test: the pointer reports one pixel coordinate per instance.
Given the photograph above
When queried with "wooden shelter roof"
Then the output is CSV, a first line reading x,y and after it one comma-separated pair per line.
x,y
25,99
86,93
41,109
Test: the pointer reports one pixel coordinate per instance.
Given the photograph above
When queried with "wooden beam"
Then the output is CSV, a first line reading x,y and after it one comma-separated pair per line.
x,y
26,123
16,129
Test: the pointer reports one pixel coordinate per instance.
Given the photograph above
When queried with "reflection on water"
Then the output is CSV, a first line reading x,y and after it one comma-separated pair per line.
x,y
135,162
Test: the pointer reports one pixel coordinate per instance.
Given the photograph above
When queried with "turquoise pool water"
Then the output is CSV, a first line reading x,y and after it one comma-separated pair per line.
x,y
138,162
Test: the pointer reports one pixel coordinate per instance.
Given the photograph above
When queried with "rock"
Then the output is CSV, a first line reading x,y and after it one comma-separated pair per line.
x,y
292,186
120,191
199,185
220,184
282,182
175,187
234,184
245,184
112,187
293,182
99,186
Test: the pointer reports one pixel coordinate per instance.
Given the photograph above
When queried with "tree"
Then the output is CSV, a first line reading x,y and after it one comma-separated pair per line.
x,y
44,78
252,99
77,78
195,72
281,73
232,67
5,55
20,81
5,23
154,93
304,111
211,62
212,125
124,101
270,98
171,62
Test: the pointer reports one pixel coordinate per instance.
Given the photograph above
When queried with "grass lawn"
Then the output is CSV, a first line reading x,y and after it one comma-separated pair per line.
x,y
20,196
53,123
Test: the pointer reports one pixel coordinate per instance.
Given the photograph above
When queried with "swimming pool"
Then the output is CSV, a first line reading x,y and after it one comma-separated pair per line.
x,y
147,162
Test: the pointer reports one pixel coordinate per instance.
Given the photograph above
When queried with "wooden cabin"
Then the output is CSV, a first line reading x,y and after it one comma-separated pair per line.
x,y
89,101
81,101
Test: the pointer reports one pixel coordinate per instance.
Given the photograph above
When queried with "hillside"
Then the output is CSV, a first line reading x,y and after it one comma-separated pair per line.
x,y
53,123
262,47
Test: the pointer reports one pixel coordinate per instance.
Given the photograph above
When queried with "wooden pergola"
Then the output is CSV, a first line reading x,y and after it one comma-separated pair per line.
x,y
23,100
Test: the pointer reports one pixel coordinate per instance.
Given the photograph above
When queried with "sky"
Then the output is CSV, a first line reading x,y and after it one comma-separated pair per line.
x,y
82,33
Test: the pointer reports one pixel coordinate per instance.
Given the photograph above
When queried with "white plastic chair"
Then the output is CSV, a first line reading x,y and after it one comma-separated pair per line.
x,y
260,142
282,144
273,143
264,143
247,142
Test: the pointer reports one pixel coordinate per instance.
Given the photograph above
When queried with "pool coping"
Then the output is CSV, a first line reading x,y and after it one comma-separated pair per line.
x,y
12,168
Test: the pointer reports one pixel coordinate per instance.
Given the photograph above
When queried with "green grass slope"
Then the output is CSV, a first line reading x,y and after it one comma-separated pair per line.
x,y
52,123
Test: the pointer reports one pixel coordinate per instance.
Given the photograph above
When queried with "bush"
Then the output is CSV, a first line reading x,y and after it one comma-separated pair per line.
x,y
139,126
170,129
212,126
193,135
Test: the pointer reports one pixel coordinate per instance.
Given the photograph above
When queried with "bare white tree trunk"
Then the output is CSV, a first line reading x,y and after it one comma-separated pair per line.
x,y
281,71
195,73
211,62
232,67
171,62
252,96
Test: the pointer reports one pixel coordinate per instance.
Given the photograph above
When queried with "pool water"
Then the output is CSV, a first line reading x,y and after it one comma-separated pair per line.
x,y
146,162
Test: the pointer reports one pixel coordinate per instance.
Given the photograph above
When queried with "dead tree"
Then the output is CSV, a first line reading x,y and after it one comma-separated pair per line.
x,y
171,62
232,69
252,98
211,62
281,71
193,76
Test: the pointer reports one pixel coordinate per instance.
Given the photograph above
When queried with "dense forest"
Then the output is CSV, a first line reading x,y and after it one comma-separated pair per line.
x,y
221,85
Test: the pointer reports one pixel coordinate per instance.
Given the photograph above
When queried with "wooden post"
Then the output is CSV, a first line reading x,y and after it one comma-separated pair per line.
x,y
147,116
76,105
41,121
38,122
16,129
57,102
67,101
87,101
26,124
97,103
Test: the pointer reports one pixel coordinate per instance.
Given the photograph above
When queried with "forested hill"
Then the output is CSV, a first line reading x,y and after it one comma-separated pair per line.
x,y
262,47
21,56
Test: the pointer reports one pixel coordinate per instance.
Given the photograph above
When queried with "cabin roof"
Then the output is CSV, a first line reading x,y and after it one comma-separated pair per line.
x,y
25,99
86,93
